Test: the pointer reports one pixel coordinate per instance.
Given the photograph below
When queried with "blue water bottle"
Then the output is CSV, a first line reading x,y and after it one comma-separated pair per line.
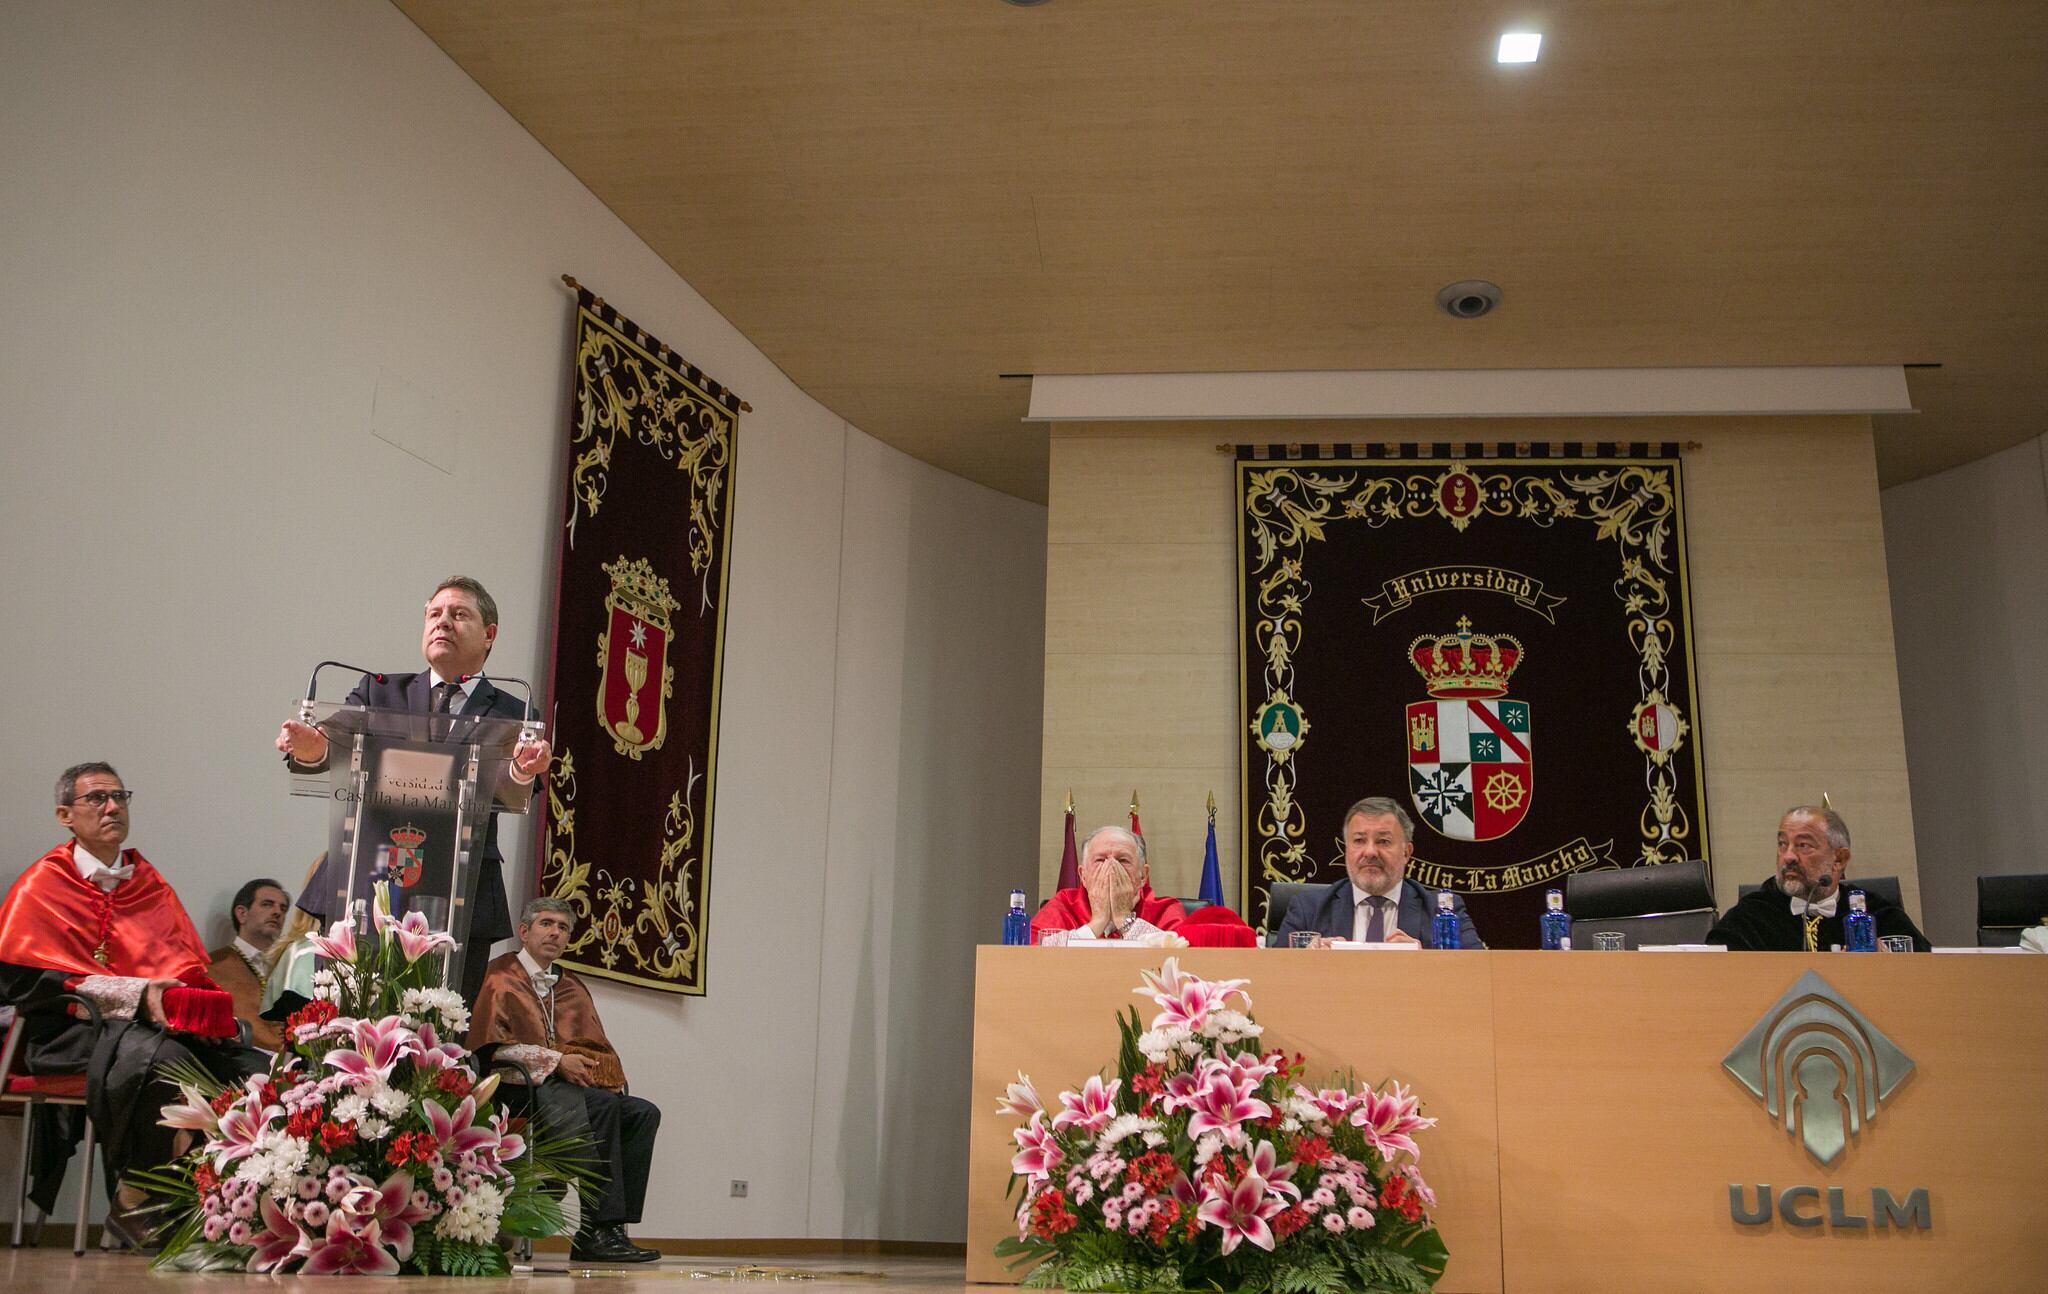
x,y
1443,931
1557,923
1016,924
1858,928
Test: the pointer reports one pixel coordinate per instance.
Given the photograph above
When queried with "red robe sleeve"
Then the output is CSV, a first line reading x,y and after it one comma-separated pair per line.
x,y
1069,910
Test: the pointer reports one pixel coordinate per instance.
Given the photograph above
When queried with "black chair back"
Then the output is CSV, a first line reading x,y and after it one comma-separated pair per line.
x,y
1662,903
2007,905
1280,897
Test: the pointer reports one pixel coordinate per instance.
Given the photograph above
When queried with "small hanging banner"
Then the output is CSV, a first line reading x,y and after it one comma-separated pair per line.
x,y
639,632
1418,621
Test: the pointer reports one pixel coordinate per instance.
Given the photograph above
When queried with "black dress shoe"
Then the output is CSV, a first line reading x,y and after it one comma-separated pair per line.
x,y
137,1228
608,1244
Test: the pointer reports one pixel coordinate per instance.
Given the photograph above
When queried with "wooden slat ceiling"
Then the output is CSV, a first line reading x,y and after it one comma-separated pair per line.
x,y
899,200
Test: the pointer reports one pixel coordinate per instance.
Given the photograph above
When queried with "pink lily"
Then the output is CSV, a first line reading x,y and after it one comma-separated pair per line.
x,y
1090,1109
1264,1164
435,1055
338,944
348,1252
379,1046
510,1144
1021,1099
196,1113
1389,1120
455,1132
279,1242
1334,1102
241,1129
1240,1212
1221,1105
1038,1150
386,1211
415,938
1187,999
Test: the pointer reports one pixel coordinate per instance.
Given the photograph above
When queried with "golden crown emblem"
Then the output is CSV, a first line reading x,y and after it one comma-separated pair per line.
x,y
1465,663
639,591
407,836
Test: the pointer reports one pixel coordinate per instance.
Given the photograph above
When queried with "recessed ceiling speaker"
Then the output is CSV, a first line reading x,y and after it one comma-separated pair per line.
x,y
1468,300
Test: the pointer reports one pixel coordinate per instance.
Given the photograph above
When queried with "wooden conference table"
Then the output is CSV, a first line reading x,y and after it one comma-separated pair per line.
x,y
1588,1132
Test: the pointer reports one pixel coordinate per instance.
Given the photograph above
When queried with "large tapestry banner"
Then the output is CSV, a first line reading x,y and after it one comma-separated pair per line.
x,y
1415,622
639,633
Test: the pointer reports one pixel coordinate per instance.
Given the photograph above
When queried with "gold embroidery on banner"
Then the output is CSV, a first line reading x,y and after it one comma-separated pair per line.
x,y
607,920
1288,507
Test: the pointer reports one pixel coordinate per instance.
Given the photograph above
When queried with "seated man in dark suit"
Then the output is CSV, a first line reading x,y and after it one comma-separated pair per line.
x,y
1801,908
461,625
1374,903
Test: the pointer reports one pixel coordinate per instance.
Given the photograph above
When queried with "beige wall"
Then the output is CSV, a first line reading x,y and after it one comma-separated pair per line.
x,y
1799,689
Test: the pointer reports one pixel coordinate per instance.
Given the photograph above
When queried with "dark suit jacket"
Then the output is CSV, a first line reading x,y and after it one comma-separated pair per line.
x,y
492,920
1329,912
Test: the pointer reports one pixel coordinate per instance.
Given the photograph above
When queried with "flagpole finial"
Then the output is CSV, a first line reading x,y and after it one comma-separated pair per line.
x,y
1134,799
1825,802
1070,801
1212,806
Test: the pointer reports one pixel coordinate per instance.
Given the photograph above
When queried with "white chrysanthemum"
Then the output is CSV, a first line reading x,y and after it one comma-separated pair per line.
x,y
446,1006
353,1108
324,986
1158,1044
390,1102
1123,1126
1155,1139
1206,1148
476,1218
373,1129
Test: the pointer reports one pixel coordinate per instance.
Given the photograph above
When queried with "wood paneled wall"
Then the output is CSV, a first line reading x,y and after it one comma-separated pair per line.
x,y
1798,678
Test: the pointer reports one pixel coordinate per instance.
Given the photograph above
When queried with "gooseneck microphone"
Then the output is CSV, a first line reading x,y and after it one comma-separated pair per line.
x,y
314,681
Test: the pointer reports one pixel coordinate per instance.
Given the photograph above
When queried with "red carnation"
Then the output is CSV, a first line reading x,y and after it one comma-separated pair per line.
x,y
400,1150
1289,1222
455,1082
333,1136
204,1178
1312,1151
424,1147
305,1123
225,1101
1049,1215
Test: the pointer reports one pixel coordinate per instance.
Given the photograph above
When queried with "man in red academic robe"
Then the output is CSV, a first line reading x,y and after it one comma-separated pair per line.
x,y
1115,898
92,918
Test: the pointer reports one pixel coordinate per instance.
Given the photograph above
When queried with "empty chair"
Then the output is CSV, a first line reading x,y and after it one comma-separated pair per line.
x,y
1662,903
1885,887
2007,905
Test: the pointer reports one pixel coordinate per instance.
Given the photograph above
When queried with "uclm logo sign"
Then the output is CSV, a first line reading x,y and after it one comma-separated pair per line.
x,y
1823,1072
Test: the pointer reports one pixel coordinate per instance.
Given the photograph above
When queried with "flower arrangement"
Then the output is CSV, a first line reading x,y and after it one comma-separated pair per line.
x,y
370,1147
1207,1164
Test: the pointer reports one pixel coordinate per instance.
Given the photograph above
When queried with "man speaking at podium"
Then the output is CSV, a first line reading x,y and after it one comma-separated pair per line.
x,y
461,624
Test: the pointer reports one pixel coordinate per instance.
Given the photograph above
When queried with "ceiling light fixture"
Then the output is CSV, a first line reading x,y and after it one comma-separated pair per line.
x,y
1469,299
1519,46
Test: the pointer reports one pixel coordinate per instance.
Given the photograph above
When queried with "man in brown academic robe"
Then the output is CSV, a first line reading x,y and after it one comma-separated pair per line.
x,y
243,965
544,1018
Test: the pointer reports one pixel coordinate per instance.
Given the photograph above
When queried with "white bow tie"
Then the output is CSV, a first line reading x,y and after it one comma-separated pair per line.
x,y
1824,908
544,983
108,877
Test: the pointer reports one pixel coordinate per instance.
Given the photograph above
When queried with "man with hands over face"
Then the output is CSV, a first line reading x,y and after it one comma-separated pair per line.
x,y
1115,898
